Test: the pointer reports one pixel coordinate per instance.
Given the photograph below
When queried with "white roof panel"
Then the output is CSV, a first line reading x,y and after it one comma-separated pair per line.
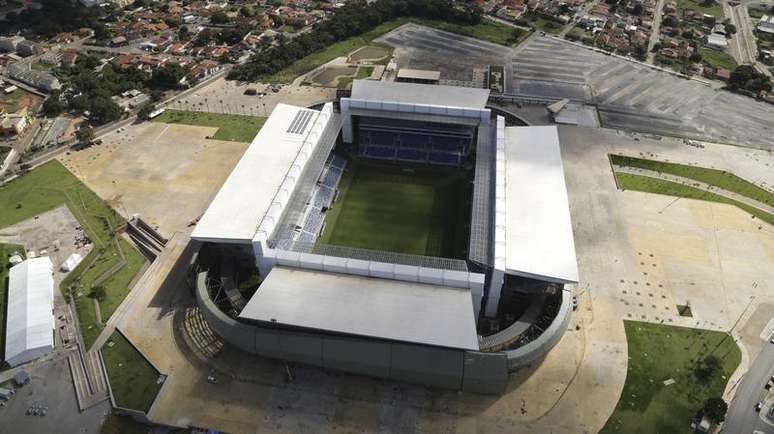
x,y
365,306
30,320
247,194
422,94
539,239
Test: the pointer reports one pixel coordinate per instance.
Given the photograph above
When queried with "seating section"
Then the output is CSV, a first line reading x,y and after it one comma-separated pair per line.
x,y
322,196
432,146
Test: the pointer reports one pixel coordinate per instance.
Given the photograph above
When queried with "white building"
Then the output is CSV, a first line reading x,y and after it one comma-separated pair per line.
x,y
766,24
30,320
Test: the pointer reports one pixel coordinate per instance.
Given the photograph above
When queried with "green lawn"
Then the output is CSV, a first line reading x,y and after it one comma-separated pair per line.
x,y
6,250
719,178
658,353
646,184
52,185
548,26
385,207
235,128
718,59
133,379
115,424
487,30
362,72
714,9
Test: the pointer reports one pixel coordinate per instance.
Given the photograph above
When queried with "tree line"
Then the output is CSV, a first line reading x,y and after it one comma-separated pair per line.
x,y
353,19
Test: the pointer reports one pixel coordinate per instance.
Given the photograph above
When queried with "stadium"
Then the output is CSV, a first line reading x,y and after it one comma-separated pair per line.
x,y
407,234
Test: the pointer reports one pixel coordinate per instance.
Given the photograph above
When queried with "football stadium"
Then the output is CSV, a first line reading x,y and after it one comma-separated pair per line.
x,y
404,232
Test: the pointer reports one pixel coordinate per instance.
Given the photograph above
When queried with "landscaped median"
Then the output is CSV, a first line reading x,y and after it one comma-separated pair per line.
x,y
719,179
672,371
112,263
133,380
235,128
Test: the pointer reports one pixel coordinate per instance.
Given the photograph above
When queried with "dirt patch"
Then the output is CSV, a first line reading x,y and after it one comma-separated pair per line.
x,y
370,52
328,76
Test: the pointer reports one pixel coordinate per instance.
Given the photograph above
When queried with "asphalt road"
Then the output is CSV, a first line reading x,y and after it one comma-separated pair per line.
x,y
742,418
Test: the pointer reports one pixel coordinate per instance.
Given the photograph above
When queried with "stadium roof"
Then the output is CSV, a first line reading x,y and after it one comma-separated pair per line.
x,y
30,321
249,191
364,306
539,240
419,74
412,93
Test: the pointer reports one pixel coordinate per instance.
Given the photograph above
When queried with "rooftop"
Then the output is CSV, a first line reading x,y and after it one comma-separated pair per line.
x,y
538,236
364,306
421,94
249,191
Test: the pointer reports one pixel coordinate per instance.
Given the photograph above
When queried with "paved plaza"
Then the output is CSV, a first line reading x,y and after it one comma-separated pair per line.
x,y
166,173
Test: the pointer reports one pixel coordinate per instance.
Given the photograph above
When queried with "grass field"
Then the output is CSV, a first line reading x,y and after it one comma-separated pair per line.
x,y
133,380
385,207
627,181
718,59
52,185
719,178
235,128
658,353
18,99
714,9
6,250
362,72
487,30
115,424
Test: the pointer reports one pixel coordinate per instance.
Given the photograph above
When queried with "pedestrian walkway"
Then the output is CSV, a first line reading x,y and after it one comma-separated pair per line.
x,y
696,184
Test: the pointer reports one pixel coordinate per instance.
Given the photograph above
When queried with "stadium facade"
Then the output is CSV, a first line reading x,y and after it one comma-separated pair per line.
x,y
393,315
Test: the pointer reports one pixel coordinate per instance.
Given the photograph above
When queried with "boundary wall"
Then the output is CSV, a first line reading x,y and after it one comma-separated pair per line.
x,y
469,371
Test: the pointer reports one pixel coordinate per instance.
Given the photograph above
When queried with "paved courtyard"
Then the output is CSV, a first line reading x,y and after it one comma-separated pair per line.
x,y
166,173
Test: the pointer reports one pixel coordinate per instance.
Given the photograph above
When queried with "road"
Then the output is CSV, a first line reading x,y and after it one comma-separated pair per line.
x,y
741,417
744,42
578,15
655,30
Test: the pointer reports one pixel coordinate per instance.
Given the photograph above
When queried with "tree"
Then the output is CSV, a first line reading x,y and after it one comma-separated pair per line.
x,y
219,17
695,57
715,409
98,293
146,110
707,367
745,78
707,3
85,135
53,106
104,110
637,9
168,76
247,11
184,34
730,29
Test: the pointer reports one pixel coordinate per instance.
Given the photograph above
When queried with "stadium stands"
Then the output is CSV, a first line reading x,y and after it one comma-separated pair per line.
x,y
313,219
412,141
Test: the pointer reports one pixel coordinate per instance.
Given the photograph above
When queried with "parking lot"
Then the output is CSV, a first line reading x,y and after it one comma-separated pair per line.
x,y
629,95
50,388
223,96
453,55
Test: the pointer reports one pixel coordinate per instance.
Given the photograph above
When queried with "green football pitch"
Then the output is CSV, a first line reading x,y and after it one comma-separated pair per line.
x,y
403,209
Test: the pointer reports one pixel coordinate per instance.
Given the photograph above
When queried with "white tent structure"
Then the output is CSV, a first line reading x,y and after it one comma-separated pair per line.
x,y
30,319
71,262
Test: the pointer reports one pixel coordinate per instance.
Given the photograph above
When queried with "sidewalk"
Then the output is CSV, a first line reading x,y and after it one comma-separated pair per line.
x,y
696,184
